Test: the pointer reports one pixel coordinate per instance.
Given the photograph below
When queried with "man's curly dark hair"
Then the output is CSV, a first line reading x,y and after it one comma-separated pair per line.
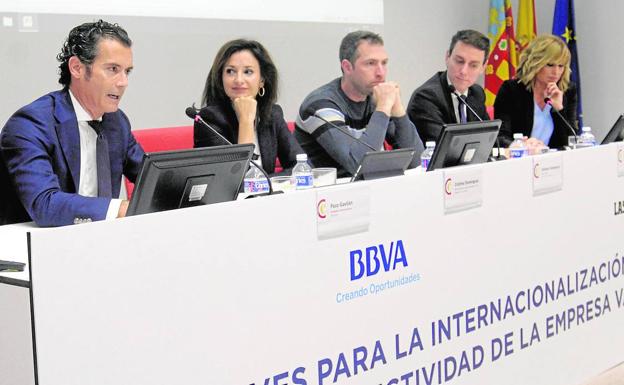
x,y
82,42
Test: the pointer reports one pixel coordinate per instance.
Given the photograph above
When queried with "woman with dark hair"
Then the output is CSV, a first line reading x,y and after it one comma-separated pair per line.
x,y
239,102
525,104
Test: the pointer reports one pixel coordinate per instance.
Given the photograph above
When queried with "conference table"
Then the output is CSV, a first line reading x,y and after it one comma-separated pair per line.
x,y
507,272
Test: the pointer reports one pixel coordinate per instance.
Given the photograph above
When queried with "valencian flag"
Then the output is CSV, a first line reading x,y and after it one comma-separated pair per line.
x,y
526,28
564,27
502,61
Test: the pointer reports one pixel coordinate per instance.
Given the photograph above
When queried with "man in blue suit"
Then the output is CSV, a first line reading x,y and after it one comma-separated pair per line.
x,y
64,154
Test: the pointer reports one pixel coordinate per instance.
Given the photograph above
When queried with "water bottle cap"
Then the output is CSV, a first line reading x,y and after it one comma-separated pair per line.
x,y
430,144
517,135
586,129
302,157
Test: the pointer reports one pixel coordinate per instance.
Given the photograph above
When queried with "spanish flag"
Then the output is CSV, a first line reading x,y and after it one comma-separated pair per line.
x,y
527,29
502,61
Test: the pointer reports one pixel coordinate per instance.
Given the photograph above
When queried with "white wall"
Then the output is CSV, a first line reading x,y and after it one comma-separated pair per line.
x,y
418,33
173,56
601,59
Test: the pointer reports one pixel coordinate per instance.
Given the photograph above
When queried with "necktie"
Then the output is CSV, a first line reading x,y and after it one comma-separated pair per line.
x,y
462,109
103,161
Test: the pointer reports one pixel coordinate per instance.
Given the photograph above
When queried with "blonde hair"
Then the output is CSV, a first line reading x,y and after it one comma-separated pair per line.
x,y
541,51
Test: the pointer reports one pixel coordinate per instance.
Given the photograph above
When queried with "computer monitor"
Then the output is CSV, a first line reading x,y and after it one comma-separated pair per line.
x,y
466,143
382,164
176,179
616,133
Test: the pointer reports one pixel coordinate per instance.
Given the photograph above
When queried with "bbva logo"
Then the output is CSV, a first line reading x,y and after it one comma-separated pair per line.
x,y
372,259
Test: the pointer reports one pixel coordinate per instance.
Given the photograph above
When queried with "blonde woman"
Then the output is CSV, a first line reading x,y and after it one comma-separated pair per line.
x,y
542,84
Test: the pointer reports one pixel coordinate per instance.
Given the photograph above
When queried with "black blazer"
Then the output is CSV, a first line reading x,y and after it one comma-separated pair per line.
x,y
514,106
274,138
431,106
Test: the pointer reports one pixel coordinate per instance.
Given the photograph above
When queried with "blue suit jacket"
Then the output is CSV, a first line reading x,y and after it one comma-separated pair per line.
x,y
40,148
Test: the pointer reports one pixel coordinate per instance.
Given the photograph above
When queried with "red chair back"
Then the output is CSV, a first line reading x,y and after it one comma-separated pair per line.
x,y
162,139
278,165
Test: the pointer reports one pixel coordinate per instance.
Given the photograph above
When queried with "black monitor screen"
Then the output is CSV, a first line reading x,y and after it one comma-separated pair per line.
x,y
382,164
176,179
466,143
616,133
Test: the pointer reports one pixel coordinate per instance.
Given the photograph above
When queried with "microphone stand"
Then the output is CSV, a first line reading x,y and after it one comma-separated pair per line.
x,y
560,115
459,99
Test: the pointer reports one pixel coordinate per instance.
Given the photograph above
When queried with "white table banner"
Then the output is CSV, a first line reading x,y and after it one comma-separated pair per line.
x,y
463,188
342,212
620,159
547,173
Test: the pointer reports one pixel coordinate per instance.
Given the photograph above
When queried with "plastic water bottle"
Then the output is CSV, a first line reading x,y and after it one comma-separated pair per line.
x,y
426,155
517,149
255,182
303,172
587,139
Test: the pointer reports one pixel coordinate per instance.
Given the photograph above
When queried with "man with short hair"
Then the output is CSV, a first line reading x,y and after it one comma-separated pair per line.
x,y
362,103
434,103
64,154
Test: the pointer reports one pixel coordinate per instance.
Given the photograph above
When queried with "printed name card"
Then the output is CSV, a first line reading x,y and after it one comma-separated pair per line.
x,y
620,159
547,173
463,188
342,211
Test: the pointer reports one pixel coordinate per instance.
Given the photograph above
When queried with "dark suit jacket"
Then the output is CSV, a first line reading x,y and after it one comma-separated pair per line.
x,y
431,106
274,138
40,171
514,106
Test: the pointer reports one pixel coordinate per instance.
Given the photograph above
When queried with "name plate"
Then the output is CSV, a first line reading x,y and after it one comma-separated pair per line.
x,y
547,173
342,211
620,159
463,189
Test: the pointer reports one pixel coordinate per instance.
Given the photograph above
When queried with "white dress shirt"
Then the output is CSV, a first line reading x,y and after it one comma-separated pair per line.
x,y
456,103
88,186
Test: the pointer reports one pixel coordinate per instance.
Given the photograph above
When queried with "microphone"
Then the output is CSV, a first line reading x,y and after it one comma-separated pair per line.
x,y
548,101
313,112
461,100
193,113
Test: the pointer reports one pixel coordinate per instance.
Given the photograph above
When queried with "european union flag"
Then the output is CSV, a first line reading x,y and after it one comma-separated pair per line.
x,y
565,28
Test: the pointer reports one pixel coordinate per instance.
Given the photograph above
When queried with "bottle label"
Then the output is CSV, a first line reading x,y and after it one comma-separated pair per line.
x,y
518,152
256,185
586,140
424,163
305,181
